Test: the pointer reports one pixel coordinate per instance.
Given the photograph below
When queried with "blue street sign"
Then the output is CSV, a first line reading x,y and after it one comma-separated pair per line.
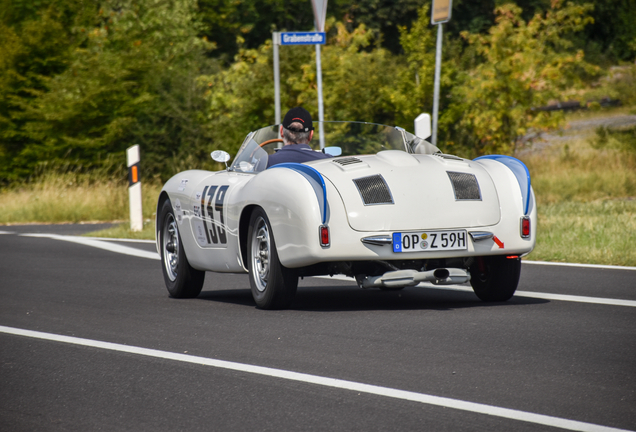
x,y
303,38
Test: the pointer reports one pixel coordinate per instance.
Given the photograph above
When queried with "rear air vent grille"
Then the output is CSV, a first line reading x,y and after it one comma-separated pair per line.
x,y
347,161
374,190
465,186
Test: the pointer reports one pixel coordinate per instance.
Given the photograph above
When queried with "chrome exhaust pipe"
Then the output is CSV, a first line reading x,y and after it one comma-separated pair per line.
x,y
451,276
404,278
441,273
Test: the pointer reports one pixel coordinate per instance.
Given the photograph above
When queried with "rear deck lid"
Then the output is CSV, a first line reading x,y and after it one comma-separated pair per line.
x,y
396,191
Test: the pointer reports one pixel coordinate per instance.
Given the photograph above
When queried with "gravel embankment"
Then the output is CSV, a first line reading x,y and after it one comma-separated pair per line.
x,y
574,129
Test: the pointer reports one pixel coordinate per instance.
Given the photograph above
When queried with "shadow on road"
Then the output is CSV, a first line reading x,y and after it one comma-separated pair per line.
x,y
348,298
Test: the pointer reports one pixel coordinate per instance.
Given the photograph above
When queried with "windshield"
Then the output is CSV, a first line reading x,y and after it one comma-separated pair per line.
x,y
354,138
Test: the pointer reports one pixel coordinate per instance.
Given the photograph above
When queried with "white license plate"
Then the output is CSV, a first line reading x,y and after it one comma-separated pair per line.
x,y
429,241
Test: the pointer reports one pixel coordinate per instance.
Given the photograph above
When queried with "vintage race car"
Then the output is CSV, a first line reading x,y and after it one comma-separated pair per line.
x,y
389,209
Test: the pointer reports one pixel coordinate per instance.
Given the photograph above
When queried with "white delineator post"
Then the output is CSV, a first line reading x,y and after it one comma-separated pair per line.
x,y
134,188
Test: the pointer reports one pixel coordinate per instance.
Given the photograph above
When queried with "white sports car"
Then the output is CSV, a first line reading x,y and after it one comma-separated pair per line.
x,y
389,209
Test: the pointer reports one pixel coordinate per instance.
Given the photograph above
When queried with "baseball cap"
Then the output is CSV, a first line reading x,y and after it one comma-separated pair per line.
x,y
300,115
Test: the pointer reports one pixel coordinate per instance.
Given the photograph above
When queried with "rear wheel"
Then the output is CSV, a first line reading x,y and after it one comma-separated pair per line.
x,y
495,278
273,285
181,279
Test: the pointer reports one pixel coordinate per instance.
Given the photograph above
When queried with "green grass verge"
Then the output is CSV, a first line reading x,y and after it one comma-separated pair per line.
x,y
592,233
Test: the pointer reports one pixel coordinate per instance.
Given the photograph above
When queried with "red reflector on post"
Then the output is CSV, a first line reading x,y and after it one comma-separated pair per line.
x,y
324,235
525,227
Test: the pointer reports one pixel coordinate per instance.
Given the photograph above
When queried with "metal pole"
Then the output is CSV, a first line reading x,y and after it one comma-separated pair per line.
x,y
321,109
438,69
276,43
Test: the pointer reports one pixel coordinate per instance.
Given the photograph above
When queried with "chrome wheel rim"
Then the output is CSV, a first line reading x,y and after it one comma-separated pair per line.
x,y
260,254
170,247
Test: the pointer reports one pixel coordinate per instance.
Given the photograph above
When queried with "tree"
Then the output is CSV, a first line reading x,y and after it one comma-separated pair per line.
x,y
233,25
383,17
357,85
36,45
525,65
132,80
358,75
413,90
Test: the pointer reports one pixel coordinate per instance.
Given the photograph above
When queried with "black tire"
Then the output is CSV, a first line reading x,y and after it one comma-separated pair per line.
x,y
273,285
496,278
181,279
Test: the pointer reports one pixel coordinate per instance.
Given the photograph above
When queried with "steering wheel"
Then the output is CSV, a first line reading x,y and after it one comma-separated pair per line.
x,y
263,144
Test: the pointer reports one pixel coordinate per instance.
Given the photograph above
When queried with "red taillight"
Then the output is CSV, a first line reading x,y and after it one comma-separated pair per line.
x,y
324,235
525,227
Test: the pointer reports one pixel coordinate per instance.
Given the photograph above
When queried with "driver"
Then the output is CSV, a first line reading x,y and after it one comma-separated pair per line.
x,y
297,131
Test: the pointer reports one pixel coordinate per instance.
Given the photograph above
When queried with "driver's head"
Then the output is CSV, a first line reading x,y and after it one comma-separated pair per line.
x,y
297,127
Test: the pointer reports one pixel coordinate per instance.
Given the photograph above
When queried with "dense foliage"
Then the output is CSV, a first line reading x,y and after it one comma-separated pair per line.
x,y
81,80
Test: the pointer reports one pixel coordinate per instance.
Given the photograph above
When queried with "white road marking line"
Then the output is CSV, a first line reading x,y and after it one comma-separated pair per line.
x,y
599,266
6,232
578,299
126,250
325,381
550,296
121,240
88,241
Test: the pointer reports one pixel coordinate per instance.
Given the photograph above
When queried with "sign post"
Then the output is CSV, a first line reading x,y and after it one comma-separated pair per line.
x,y
276,43
134,188
321,107
440,14
316,38
320,14
299,38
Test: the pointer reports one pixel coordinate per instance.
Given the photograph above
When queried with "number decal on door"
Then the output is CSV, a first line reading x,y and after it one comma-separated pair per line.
x,y
212,202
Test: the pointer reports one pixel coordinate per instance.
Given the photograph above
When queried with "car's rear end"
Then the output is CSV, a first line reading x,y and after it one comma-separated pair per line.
x,y
396,219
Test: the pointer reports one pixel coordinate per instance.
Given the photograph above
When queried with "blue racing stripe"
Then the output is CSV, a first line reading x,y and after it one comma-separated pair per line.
x,y
520,170
316,181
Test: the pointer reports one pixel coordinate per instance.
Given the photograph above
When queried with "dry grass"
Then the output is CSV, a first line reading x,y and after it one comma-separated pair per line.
x,y
586,196
601,232
69,197
574,171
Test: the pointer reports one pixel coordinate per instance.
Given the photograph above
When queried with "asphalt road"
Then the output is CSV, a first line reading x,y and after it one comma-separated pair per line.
x,y
564,360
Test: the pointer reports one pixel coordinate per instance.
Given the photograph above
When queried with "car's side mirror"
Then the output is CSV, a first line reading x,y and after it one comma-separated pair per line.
x,y
332,151
220,156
